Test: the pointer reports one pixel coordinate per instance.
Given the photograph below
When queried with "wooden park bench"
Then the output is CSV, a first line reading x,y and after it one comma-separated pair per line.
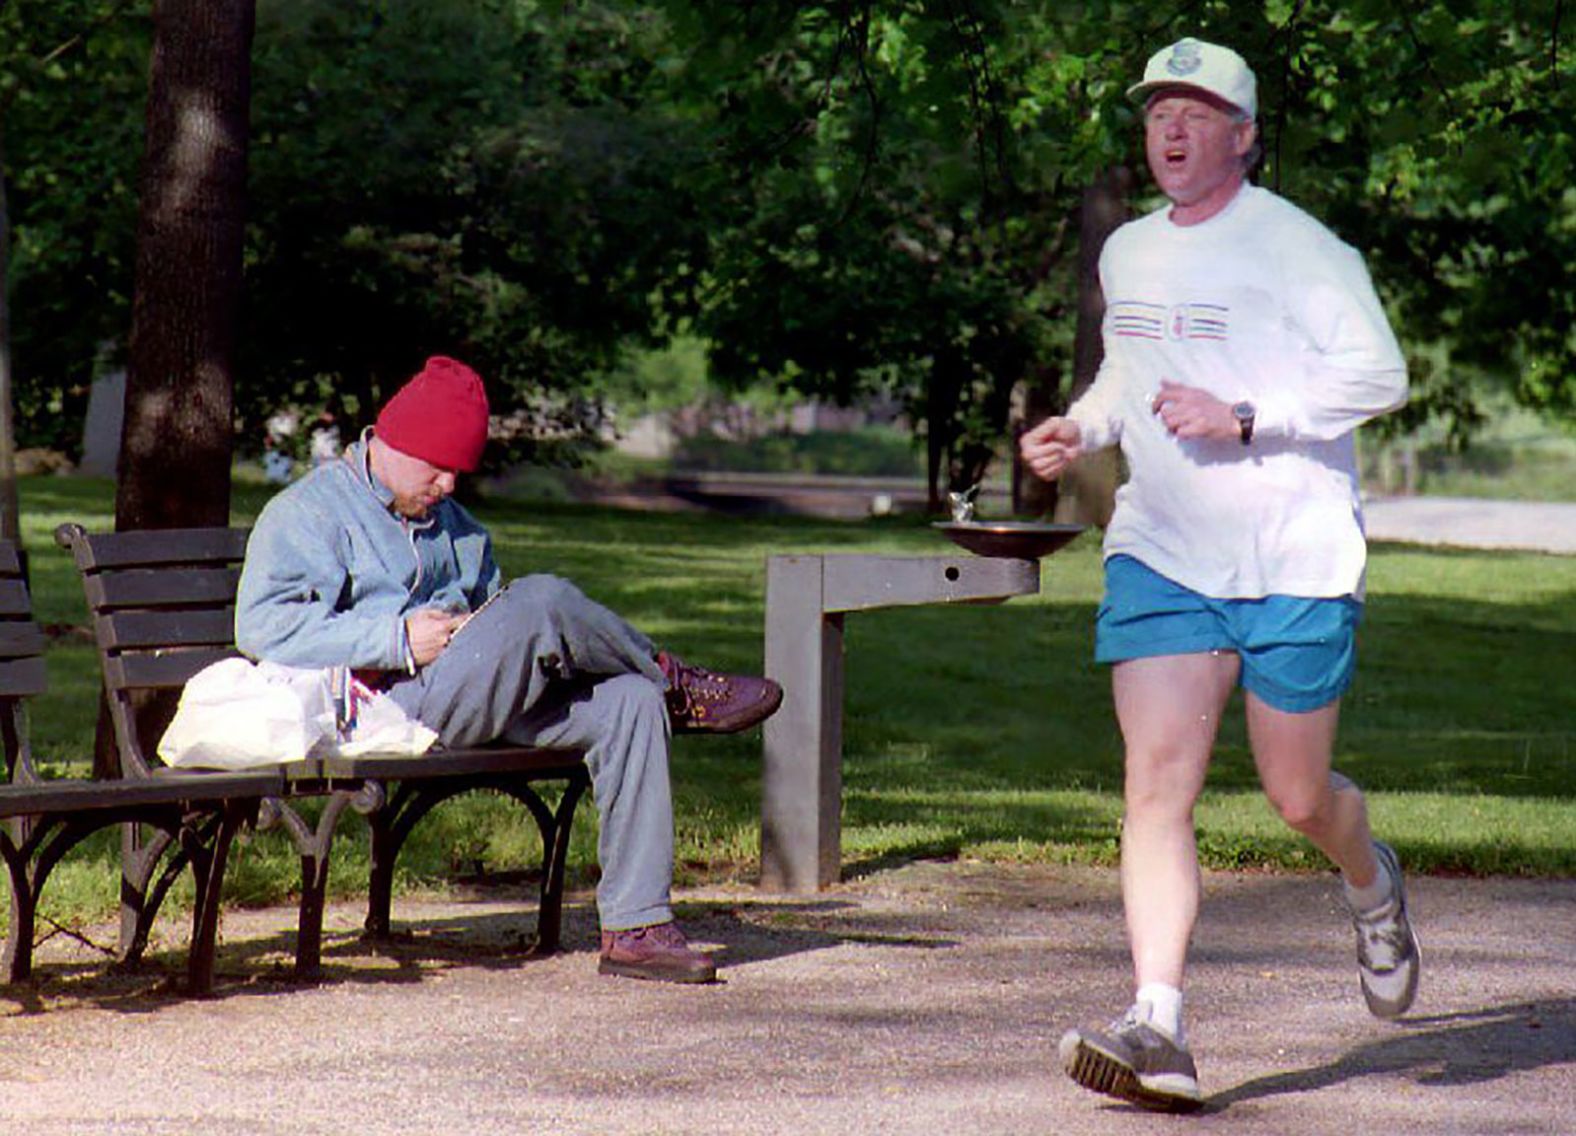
x,y
44,819
162,605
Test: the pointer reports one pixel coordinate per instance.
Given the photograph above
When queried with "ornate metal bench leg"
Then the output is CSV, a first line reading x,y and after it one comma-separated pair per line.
x,y
309,925
380,886
314,887
29,863
51,837
555,853
19,932
139,901
314,845
208,867
390,823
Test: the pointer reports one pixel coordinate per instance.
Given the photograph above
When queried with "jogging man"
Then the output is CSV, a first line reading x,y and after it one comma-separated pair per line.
x,y
1244,345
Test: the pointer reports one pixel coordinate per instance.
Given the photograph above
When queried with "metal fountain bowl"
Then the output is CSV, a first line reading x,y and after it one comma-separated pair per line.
x,y
1016,540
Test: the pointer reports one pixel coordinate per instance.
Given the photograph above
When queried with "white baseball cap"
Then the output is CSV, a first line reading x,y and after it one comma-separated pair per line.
x,y
1205,66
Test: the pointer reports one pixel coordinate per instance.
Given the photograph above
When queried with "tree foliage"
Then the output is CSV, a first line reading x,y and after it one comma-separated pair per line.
x,y
73,80
840,198
1436,137
475,178
900,181
907,225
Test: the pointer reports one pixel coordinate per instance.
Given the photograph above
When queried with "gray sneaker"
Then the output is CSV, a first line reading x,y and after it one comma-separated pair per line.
x,y
1388,957
1133,1061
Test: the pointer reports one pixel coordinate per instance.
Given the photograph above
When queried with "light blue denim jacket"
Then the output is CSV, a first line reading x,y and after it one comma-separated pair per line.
x,y
331,571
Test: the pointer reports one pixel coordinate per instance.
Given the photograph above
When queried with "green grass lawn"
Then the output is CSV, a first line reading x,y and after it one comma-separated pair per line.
x,y
976,731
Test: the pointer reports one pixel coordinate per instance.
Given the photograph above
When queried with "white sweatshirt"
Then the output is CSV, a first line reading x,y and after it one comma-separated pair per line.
x,y
1262,303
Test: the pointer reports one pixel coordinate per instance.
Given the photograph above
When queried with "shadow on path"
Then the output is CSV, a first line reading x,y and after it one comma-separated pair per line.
x,y
253,964
1446,1050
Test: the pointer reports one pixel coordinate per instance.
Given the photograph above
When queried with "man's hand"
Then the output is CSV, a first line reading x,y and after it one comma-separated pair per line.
x,y
1191,412
428,630
1050,447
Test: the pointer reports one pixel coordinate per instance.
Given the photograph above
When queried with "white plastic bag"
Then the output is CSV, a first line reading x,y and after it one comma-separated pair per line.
x,y
370,722
237,714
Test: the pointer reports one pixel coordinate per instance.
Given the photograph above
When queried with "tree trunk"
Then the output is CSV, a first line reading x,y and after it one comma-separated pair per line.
x,y
10,509
1088,487
938,438
174,467
176,440
947,376
1032,496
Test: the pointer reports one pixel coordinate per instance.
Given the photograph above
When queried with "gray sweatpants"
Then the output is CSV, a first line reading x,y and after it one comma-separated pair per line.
x,y
543,664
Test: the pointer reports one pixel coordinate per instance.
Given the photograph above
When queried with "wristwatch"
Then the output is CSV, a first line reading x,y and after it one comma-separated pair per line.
x,y
1244,412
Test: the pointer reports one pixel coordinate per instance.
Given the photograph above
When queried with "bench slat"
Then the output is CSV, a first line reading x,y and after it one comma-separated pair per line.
x,y
453,763
208,627
160,669
153,547
20,637
71,796
170,587
22,678
14,599
10,561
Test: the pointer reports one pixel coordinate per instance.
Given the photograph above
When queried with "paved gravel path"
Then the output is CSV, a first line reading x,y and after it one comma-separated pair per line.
x,y
1538,526
918,1000
1466,522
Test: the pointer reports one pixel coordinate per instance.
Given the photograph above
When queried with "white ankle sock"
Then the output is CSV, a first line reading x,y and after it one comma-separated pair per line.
x,y
1372,897
1165,1007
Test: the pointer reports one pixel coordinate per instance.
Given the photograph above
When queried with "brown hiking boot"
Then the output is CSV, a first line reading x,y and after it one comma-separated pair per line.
x,y
660,952
703,701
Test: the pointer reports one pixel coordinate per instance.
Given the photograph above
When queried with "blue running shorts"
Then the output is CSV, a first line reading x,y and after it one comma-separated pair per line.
x,y
1298,653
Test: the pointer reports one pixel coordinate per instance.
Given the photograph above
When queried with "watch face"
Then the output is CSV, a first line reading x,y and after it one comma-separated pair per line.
x,y
1243,411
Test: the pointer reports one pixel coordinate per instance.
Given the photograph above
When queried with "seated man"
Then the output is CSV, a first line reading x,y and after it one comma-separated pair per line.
x,y
366,562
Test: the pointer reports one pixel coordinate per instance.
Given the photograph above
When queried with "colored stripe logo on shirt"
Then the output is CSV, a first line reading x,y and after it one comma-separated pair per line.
x,y
1136,320
1200,321
1133,319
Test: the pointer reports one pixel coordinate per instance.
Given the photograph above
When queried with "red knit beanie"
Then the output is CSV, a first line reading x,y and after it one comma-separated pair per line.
x,y
440,416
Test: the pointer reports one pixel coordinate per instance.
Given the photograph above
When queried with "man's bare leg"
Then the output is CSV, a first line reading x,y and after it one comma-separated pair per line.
x,y
1293,752
1169,709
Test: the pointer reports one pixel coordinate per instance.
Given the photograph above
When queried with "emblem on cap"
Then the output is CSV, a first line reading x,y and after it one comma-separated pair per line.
x,y
1185,58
